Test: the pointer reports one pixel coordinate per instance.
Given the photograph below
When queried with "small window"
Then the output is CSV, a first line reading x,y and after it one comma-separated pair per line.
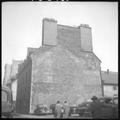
x,y
114,87
4,96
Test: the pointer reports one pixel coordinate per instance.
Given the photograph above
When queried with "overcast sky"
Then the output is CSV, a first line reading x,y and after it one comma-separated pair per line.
x,y
22,27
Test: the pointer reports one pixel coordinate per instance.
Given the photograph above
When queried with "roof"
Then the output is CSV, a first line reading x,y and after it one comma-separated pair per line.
x,y
43,49
109,77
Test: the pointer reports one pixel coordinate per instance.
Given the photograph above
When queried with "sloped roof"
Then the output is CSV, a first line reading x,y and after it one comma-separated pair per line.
x,y
109,77
43,49
92,53
78,53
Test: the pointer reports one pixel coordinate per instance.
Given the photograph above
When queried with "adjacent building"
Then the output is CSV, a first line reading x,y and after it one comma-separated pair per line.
x,y
10,79
63,68
7,72
110,83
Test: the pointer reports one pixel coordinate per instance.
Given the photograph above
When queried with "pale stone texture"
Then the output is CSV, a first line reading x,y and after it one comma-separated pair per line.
x,y
49,32
69,37
86,38
60,75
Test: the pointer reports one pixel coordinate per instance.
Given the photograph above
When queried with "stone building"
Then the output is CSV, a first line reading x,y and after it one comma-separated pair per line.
x,y
10,79
63,68
7,72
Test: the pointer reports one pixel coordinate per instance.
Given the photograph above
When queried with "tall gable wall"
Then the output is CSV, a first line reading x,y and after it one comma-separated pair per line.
x,y
60,75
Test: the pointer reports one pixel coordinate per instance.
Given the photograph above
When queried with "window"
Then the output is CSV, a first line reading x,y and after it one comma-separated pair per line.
x,y
4,96
114,87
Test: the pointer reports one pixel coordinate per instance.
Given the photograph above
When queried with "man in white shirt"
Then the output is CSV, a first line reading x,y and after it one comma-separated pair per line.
x,y
58,109
66,107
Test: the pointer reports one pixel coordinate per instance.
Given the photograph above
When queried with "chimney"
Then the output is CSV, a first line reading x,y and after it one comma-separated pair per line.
x,y
86,37
49,32
107,71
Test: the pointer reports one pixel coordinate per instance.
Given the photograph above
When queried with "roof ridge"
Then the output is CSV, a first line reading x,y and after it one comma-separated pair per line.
x,y
109,72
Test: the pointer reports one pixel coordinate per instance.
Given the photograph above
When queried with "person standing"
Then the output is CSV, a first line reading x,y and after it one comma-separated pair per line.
x,y
96,108
109,109
58,108
66,108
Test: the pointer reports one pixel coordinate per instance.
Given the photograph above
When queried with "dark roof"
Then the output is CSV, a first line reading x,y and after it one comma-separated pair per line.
x,y
109,77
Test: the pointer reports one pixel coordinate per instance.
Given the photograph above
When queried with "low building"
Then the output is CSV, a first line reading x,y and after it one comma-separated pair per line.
x,y
110,83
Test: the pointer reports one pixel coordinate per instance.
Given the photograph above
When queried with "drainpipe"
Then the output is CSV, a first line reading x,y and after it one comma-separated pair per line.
x,y
102,83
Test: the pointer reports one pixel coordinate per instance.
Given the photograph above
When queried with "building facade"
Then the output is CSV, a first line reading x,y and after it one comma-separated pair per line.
x,y
63,68
10,79
110,83
7,72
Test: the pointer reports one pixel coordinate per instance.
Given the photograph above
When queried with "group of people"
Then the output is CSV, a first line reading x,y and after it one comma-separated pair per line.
x,y
102,110
62,110
97,109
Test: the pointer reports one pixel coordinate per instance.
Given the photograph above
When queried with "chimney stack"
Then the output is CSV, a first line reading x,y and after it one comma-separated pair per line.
x,y
86,37
49,32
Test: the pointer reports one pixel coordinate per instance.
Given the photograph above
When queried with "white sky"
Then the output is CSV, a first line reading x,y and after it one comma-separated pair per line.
x,y
22,27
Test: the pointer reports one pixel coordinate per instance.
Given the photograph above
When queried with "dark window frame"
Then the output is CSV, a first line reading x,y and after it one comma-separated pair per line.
x,y
114,87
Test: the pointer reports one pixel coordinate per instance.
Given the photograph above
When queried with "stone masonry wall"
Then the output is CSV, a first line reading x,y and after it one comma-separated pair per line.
x,y
7,74
60,75
86,38
49,32
24,88
69,37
